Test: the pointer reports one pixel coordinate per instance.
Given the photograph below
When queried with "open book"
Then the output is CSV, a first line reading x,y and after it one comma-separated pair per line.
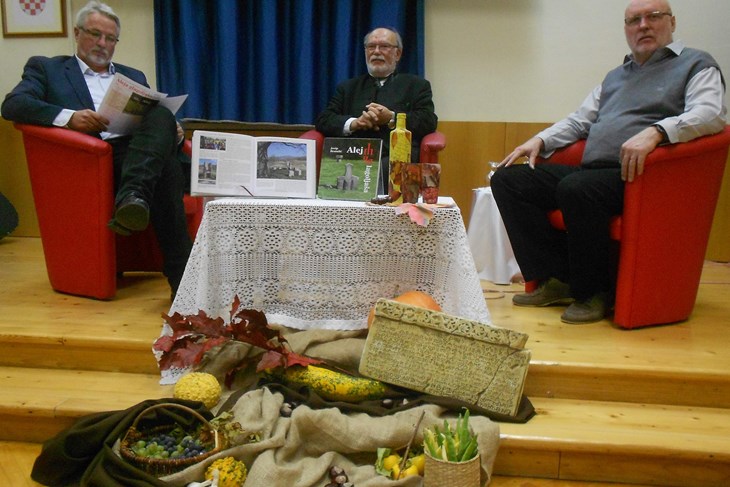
x,y
226,164
126,102
350,168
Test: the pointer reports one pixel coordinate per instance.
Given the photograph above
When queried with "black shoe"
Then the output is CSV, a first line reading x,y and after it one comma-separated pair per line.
x,y
115,227
132,214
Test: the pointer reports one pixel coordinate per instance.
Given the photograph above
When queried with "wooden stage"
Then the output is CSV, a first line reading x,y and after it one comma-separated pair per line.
x,y
644,407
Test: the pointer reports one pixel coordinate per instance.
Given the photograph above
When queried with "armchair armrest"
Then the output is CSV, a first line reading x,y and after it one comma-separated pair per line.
x,y
187,147
317,137
570,155
67,138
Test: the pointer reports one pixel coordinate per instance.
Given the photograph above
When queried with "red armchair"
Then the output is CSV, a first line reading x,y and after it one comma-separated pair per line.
x,y
431,145
71,176
664,228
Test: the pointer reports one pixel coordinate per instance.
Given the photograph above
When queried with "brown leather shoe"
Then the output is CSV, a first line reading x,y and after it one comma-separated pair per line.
x,y
588,311
549,292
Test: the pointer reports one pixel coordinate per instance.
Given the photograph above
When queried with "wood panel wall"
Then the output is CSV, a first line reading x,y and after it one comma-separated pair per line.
x,y
465,165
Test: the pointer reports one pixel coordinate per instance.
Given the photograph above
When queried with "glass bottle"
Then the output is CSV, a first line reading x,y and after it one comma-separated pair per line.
x,y
400,153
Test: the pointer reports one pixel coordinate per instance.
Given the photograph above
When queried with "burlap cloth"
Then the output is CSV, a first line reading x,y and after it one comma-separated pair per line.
x,y
298,451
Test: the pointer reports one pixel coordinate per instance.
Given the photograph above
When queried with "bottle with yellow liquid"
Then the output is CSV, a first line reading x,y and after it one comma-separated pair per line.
x,y
400,154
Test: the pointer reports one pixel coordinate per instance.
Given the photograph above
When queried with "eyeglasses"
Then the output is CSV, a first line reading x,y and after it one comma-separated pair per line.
x,y
382,47
96,35
651,18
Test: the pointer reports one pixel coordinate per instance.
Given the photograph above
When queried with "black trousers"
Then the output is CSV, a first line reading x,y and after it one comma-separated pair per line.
x,y
150,164
588,199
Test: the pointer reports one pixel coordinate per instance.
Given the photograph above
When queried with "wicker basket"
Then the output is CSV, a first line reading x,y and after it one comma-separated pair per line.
x,y
441,473
164,466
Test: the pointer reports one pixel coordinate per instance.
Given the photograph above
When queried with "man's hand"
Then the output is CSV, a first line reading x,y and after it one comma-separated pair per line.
x,y
372,118
87,121
363,122
180,133
380,113
634,152
530,149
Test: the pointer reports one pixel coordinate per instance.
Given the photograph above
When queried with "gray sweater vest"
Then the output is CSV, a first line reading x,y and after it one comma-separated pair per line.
x,y
634,97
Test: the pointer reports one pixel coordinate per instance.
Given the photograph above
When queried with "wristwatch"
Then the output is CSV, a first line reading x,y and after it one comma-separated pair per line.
x,y
663,133
391,123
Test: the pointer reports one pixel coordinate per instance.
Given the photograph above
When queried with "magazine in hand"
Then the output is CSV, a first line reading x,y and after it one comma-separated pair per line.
x,y
126,102
350,168
226,164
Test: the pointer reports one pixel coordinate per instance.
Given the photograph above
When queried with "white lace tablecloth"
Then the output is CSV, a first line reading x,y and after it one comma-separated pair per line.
x,y
323,264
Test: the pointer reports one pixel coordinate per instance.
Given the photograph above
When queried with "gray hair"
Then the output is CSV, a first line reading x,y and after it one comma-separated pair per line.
x,y
398,40
100,8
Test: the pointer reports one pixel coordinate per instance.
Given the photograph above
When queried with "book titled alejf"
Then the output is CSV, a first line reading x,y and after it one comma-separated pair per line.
x,y
350,168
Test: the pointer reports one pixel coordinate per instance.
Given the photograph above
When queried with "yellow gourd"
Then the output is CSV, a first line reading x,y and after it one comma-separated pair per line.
x,y
231,472
332,385
198,386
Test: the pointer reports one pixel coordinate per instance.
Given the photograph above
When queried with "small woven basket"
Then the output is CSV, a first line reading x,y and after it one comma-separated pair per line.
x,y
441,473
164,466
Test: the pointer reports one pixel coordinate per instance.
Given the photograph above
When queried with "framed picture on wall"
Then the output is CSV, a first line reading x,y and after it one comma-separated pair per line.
x,y
34,18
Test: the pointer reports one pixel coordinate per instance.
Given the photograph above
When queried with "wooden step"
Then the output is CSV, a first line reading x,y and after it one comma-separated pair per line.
x,y
567,439
668,386
35,404
42,328
76,352
72,347
619,442
16,463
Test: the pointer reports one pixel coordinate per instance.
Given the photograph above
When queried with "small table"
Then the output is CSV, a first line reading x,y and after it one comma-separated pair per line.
x,y
323,264
490,245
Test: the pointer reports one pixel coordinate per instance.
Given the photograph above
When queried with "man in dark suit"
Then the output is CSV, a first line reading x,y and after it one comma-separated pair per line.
x,y
366,106
66,91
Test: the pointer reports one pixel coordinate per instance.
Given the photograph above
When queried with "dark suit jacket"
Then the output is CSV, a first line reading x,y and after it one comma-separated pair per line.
x,y
402,93
50,85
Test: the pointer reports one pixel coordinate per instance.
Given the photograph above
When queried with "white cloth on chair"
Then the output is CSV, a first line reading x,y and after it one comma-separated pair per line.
x,y
490,245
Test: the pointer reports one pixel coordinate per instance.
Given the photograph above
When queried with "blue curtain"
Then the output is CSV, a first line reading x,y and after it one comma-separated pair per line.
x,y
272,60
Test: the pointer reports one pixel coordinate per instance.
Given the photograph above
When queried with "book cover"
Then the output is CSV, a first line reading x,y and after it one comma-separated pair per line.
x,y
350,168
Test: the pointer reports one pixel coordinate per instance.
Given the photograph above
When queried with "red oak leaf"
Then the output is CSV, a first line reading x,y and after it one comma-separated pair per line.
x,y
182,355
194,335
271,360
250,326
296,359
164,343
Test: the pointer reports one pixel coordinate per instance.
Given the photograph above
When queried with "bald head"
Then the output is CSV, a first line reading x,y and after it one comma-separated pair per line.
x,y
649,25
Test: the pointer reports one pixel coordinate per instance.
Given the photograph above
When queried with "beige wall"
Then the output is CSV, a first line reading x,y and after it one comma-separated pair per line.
x,y
535,60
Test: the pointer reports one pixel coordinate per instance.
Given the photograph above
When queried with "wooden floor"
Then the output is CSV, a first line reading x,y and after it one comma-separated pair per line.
x,y
641,407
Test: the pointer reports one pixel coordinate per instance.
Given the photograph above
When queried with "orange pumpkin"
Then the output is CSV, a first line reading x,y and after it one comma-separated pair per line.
x,y
414,298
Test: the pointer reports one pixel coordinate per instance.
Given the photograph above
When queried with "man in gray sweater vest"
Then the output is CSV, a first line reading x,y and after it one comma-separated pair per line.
x,y
664,93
